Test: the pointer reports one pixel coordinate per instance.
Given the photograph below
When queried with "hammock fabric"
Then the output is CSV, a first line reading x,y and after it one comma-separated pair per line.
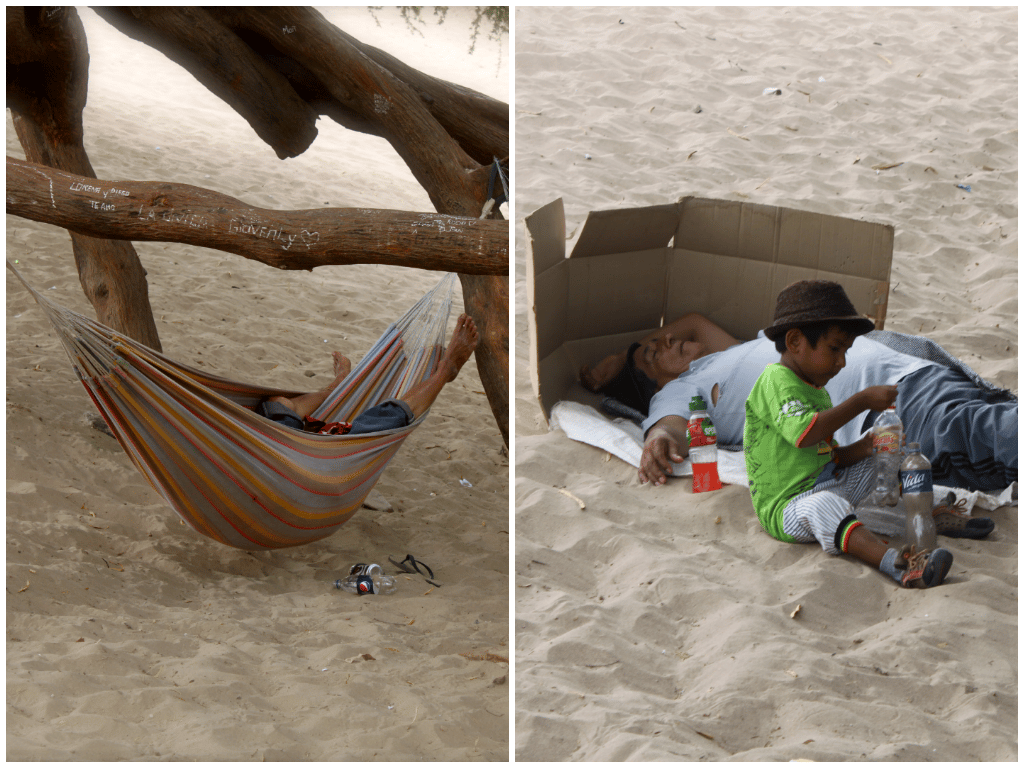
x,y
230,474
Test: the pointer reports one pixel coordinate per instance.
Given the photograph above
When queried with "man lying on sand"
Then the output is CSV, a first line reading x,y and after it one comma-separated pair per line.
x,y
802,484
391,414
967,429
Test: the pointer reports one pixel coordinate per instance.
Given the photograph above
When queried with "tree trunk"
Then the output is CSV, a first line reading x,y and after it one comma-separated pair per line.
x,y
180,213
486,300
47,80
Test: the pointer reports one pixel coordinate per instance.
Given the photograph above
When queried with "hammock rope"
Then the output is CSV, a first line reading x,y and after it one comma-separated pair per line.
x,y
230,474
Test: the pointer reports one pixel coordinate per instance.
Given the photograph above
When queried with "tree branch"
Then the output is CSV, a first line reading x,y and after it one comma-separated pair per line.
x,y
194,38
180,213
329,69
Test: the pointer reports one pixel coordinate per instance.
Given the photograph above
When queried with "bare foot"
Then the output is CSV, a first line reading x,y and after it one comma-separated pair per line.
x,y
464,341
342,365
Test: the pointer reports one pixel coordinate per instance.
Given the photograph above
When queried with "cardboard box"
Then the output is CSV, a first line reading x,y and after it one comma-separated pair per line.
x,y
632,270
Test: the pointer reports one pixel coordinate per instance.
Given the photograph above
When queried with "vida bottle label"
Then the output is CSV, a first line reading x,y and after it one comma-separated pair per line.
x,y
916,480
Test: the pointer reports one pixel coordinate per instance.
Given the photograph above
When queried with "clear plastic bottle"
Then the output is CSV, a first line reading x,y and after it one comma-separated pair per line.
x,y
367,580
916,482
885,521
886,439
702,448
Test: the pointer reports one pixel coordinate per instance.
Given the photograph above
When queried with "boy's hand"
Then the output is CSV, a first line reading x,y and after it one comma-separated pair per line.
x,y
848,455
878,398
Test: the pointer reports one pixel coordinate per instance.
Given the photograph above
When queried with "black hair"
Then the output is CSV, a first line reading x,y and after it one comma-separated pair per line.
x,y
631,386
814,331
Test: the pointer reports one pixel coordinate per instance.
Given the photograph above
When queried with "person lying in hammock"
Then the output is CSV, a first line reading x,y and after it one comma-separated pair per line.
x,y
391,414
966,427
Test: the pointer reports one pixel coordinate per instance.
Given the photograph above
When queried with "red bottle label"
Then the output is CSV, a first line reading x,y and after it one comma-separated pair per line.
x,y
702,432
887,442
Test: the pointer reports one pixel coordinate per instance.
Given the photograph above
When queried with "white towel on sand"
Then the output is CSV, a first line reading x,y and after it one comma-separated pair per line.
x,y
624,439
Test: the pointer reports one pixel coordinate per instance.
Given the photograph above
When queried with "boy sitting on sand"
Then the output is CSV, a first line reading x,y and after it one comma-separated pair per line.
x,y
802,485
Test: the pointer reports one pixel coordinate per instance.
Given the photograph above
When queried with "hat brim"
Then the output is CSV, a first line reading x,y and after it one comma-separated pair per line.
x,y
860,324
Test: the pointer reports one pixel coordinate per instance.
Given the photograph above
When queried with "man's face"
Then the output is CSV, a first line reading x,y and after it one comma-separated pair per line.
x,y
665,356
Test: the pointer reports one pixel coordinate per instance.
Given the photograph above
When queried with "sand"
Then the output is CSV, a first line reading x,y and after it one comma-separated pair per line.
x,y
130,637
655,624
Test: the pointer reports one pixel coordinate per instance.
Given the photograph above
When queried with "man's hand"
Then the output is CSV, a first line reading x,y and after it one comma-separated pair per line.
x,y
606,370
666,443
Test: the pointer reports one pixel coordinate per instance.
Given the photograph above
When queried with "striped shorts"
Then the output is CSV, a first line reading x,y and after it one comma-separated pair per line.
x,y
818,514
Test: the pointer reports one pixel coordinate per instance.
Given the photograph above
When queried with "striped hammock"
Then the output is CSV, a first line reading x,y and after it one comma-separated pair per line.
x,y
230,474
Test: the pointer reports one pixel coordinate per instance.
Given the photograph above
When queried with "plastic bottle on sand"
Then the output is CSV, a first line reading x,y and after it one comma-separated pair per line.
x,y
885,521
886,440
702,448
916,482
367,580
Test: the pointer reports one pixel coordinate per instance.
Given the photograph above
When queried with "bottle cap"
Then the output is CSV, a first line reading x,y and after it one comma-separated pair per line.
x,y
697,403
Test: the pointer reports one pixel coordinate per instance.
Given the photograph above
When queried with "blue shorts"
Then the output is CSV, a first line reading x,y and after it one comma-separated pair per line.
x,y
968,433
391,414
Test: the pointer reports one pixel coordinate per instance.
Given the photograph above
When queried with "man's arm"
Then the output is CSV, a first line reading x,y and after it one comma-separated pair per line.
x,y
689,327
603,372
694,327
666,443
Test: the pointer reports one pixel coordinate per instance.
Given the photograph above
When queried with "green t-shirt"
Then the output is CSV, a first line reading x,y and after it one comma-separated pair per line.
x,y
780,409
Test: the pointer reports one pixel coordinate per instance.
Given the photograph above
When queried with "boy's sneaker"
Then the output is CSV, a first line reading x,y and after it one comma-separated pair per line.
x,y
926,568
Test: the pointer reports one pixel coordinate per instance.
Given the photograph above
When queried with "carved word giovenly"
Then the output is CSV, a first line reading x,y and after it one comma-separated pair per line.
x,y
274,234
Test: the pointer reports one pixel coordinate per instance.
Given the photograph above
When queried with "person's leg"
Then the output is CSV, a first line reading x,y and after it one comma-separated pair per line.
x,y
865,546
460,348
829,519
303,405
969,434
394,414
818,515
853,483
280,413
391,414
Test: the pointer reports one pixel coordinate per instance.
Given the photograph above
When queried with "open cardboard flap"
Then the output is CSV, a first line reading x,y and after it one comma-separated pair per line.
x,y
634,269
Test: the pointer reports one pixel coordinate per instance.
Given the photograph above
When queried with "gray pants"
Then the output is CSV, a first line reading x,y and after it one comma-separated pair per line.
x,y
969,434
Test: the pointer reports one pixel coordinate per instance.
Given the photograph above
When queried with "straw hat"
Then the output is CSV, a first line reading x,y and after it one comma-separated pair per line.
x,y
815,301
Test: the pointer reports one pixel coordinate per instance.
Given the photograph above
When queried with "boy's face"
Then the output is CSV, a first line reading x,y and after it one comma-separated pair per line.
x,y
819,364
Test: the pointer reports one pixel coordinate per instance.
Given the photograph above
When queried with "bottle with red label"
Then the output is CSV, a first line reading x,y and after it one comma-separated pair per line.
x,y
366,579
703,448
886,441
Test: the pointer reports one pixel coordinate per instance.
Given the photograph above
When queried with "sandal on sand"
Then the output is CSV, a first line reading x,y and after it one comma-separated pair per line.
x,y
925,569
952,520
414,566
